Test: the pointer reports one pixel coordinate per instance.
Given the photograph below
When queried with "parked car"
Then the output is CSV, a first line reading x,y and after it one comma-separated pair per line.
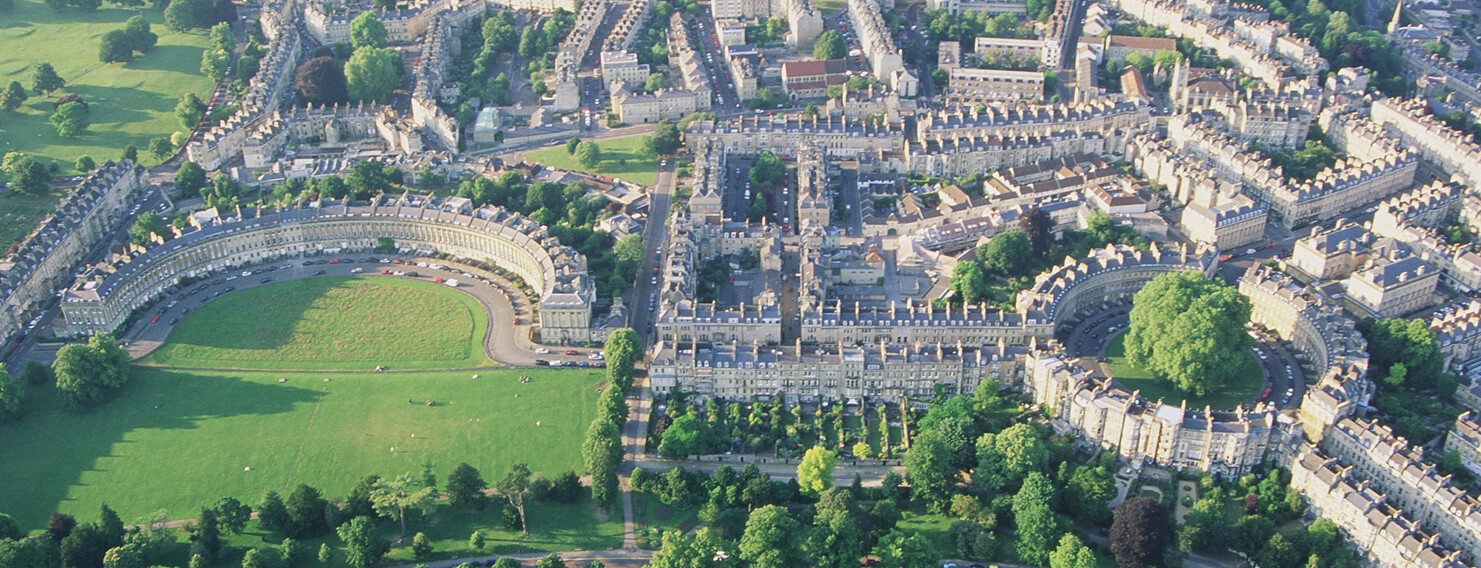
x,y
572,352
542,350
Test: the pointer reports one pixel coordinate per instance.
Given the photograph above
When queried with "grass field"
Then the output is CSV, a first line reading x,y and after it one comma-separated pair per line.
x,y
636,169
351,323
130,102
1246,385
208,427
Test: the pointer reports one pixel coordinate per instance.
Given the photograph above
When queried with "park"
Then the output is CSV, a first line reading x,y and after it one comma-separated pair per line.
x,y
293,400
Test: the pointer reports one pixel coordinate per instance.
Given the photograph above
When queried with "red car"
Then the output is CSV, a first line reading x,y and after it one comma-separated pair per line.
x,y
154,319
572,352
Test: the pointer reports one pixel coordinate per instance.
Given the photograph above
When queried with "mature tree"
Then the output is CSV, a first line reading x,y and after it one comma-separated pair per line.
x,y
829,45
9,529
571,144
13,96
392,497
1206,528
655,82
84,548
25,553
232,514
44,79
205,535
372,73
183,15
305,513
515,487
70,119
215,63
189,110
968,284
28,176
687,436
367,31
1087,492
1072,553
771,539
86,374
531,42
1250,534
928,466
363,544
465,487
815,471
1039,528
141,37
111,526
1189,329
161,147
12,396
1006,458
421,548
130,153
588,154
907,551
189,179
1395,341
767,171
1139,533
835,540
665,138
59,526
602,452
1008,254
1037,226
368,177
321,81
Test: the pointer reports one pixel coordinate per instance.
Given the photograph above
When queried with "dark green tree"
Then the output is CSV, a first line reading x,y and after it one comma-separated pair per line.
x,y
768,171
183,15
28,176
363,544
44,79
70,119
272,513
13,97
929,469
465,487
232,514
1009,254
968,284
205,536
829,45
771,539
1038,227
141,38
665,139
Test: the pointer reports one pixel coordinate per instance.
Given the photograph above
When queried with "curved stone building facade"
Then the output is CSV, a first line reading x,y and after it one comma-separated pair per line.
x,y
1107,275
100,302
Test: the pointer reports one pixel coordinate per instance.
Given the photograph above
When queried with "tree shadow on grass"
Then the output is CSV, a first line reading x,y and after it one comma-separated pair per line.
x,y
166,58
49,450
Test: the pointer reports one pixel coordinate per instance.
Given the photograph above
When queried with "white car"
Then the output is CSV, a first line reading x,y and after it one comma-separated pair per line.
x,y
542,351
595,356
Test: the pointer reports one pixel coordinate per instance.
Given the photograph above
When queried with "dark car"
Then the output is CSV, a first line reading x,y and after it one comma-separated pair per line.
x,y
318,273
541,362
265,280
174,321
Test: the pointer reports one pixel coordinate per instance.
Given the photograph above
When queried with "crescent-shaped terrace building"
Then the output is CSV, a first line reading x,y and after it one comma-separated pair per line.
x,y
102,299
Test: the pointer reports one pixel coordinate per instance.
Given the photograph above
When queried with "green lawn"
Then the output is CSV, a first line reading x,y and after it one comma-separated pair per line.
x,y
352,323
651,518
208,427
636,169
1246,385
130,102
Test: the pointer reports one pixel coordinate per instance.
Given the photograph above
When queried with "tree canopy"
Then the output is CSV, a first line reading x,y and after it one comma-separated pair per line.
x,y
70,119
367,31
372,74
1189,329
28,176
815,471
829,45
87,373
1008,254
767,171
1139,532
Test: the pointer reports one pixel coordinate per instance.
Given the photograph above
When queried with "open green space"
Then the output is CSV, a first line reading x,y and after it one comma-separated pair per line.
x,y
355,323
622,158
129,103
176,440
1245,387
